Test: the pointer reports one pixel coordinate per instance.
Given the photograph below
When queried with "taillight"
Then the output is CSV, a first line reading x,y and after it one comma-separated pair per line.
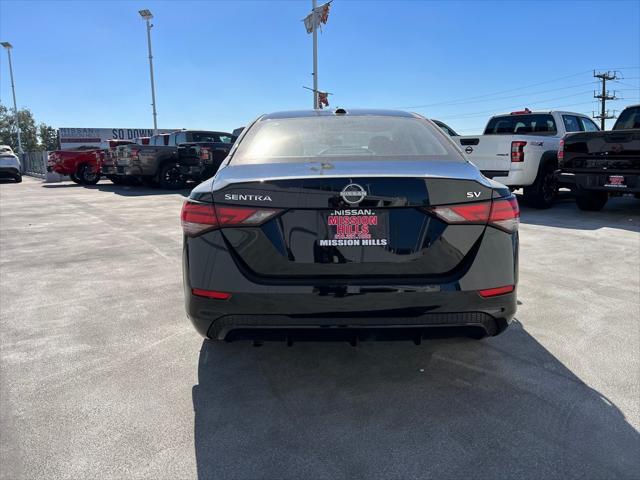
x,y
505,214
472,213
502,213
561,150
198,218
517,151
204,153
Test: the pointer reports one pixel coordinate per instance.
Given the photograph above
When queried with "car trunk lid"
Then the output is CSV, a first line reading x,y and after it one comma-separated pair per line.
x,y
330,224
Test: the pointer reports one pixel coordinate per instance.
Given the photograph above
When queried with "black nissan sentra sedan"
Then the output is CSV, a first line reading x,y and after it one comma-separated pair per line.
x,y
358,222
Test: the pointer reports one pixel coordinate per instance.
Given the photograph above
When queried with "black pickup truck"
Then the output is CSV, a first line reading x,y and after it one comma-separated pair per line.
x,y
601,164
201,154
169,160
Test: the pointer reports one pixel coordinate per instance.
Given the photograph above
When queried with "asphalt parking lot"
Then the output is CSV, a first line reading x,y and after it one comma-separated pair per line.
x,y
102,375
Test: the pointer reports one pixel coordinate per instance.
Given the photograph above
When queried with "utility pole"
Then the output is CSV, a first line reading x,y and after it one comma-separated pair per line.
x,y
315,55
147,15
8,46
604,96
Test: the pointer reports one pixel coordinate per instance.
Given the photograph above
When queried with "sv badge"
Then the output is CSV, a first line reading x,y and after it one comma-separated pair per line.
x,y
473,194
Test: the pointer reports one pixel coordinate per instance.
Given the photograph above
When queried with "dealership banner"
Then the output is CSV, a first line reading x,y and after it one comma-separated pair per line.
x,y
97,137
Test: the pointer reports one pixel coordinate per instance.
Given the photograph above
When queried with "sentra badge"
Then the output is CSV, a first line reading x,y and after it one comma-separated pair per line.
x,y
254,198
353,193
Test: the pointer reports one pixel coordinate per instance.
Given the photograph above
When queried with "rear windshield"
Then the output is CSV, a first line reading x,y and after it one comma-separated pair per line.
x,y
536,124
210,137
629,118
346,137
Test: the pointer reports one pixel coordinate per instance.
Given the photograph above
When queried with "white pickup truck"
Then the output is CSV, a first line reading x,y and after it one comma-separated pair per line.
x,y
520,149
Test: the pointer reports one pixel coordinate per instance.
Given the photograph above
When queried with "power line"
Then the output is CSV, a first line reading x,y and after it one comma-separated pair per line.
x,y
520,106
465,99
499,92
516,96
555,107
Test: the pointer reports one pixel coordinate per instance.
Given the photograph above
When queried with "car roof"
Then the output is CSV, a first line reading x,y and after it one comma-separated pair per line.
x,y
540,112
339,112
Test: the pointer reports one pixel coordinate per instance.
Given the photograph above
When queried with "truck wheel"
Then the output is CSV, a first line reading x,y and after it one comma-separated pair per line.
x,y
591,201
74,178
542,193
170,177
88,174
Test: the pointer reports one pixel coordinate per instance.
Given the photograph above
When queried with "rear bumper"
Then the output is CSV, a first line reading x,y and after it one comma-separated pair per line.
x,y
394,309
59,169
600,181
9,172
130,171
353,304
514,177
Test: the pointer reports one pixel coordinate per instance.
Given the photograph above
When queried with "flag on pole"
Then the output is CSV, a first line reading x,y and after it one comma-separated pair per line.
x,y
318,16
323,99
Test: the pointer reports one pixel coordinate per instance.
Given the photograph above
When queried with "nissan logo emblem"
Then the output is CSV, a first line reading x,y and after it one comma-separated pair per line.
x,y
353,193
468,150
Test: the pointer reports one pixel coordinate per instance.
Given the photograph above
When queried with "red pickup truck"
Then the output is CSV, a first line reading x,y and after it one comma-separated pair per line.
x,y
80,164
83,165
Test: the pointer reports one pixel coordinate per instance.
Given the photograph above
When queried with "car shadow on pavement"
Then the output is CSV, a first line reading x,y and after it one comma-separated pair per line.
x,y
123,190
619,212
502,407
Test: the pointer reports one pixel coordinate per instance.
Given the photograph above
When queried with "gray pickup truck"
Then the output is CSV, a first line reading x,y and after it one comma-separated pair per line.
x,y
165,161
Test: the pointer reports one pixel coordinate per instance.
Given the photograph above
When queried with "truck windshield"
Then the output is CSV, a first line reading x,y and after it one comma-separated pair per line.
x,y
629,118
210,137
348,137
535,124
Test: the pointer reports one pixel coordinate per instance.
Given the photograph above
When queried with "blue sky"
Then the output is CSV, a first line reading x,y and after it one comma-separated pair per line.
x,y
220,64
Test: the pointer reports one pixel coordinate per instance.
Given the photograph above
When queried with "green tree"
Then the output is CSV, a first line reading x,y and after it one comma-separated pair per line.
x,y
6,128
28,130
48,137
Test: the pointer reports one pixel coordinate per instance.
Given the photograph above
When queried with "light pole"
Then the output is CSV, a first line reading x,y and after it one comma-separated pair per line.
x,y
8,46
315,55
147,15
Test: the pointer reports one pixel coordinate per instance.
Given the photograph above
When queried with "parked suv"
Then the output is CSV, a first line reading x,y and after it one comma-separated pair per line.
x,y
520,149
602,164
160,162
9,164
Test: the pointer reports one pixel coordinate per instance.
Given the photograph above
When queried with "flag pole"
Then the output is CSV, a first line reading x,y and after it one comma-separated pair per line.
x,y
315,55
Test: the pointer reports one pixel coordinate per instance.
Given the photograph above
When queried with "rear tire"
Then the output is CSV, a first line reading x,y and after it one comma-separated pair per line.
x,y
88,174
542,193
74,179
591,201
170,177
18,178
